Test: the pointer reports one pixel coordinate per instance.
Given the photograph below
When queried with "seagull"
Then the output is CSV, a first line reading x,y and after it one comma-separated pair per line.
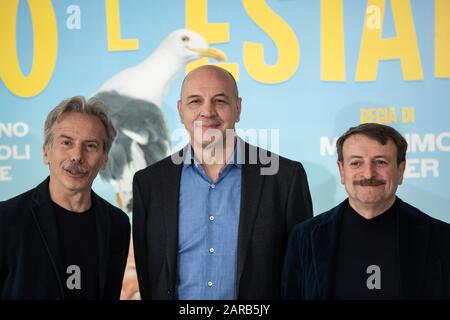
x,y
134,97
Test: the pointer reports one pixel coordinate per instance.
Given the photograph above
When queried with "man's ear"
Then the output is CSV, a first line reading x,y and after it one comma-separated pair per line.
x,y
401,171
46,156
179,110
105,161
341,171
239,109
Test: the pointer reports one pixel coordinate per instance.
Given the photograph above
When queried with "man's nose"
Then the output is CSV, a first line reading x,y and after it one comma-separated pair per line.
x,y
369,171
208,109
76,154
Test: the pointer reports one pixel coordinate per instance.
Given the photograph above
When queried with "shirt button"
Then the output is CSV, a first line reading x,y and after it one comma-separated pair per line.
x,y
211,250
211,218
210,284
212,186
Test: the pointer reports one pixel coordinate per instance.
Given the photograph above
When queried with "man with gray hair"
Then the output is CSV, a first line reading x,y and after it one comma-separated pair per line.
x,y
60,240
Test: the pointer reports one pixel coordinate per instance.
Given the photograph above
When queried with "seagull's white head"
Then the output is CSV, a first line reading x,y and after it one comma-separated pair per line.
x,y
190,46
150,79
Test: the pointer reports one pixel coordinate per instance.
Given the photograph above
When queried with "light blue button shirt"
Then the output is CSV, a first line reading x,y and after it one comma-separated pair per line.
x,y
208,230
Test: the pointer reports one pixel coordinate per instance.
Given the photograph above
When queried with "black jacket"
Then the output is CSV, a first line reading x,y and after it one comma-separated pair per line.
x,y
30,259
270,206
424,248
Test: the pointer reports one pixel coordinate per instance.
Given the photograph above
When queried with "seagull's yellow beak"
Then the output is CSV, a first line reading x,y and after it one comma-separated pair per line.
x,y
212,53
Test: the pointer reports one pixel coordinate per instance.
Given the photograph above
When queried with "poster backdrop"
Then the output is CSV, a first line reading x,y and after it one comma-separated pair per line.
x,y
307,70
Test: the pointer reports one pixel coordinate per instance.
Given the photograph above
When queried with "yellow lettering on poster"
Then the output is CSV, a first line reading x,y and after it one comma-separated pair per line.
x,y
197,20
115,41
332,41
284,38
45,49
404,46
378,115
442,39
408,115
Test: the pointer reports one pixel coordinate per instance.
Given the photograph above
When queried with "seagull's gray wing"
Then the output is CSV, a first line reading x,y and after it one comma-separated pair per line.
x,y
139,123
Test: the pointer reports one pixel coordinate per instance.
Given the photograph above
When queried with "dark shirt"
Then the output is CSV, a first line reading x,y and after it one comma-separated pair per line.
x,y
78,240
367,258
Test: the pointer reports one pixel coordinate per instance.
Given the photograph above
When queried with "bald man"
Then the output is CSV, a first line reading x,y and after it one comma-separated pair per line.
x,y
212,221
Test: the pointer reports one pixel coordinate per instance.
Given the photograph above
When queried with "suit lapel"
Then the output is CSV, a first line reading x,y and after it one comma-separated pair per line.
x,y
324,240
102,224
43,215
414,238
169,203
251,188
413,242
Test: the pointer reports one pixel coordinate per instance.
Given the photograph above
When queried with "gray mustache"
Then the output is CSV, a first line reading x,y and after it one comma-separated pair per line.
x,y
74,167
369,182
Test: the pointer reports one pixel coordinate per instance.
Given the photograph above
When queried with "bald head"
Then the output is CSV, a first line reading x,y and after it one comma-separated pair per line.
x,y
209,104
209,70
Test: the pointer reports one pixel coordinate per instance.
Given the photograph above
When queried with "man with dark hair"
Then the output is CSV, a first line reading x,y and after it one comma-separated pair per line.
x,y
60,240
372,245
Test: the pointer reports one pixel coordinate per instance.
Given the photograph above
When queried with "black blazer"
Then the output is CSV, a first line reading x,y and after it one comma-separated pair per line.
x,y
424,248
270,206
30,261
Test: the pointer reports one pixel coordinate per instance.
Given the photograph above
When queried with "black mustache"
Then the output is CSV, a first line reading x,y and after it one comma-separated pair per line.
x,y
369,182
75,168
